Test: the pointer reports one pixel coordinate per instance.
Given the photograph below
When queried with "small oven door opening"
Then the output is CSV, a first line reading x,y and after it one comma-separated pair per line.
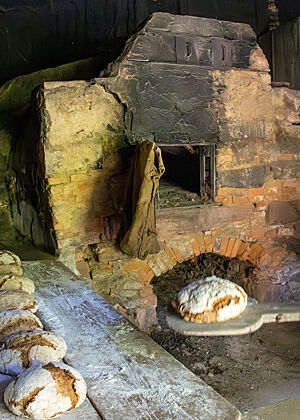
x,y
190,176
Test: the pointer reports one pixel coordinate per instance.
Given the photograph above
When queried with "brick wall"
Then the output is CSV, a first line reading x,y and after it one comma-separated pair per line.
x,y
82,141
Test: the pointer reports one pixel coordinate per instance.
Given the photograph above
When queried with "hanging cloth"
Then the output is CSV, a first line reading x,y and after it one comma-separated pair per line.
x,y
146,169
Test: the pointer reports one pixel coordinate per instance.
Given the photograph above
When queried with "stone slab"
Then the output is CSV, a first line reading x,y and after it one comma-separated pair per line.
x,y
194,219
281,212
128,375
253,317
286,409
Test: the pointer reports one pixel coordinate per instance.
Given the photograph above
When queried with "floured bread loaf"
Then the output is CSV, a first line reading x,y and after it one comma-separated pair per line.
x,y
8,258
20,351
210,300
10,264
13,270
15,299
44,392
9,282
17,320
4,381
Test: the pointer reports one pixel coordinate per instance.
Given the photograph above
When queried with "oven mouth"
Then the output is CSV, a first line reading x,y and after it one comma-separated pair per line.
x,y
190,176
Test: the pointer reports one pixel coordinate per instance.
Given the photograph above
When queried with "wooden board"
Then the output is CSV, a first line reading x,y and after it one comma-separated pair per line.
x,y
128,375
250,320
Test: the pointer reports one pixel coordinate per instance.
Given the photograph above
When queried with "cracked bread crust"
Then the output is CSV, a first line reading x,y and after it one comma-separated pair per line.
x,y
210,300
13,270
10,264
9,282
8,258
15,299
15,321
20,351
45,391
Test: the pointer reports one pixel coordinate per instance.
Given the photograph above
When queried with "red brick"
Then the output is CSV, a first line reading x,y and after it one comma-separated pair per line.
x,y
286,157
176,253
240,200
208,243
241,248
145,267
201,243
235,248
171,256
229,247
224,192
245,255
195,247
256,191
224,244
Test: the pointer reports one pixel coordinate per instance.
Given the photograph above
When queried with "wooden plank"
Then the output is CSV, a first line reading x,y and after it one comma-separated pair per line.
x,y
129,376
250,320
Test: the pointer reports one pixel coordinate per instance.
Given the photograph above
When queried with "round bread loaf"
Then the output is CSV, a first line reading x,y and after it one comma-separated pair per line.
x,y
8,258
17,320
20,351
13,270
210,300
10,264
15,299
9,282
44,392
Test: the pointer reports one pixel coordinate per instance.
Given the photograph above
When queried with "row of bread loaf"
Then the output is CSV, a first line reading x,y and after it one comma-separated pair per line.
x,y
44,386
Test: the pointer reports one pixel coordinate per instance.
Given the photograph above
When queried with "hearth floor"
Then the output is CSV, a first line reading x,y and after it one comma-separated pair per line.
x,y
169,195
251,370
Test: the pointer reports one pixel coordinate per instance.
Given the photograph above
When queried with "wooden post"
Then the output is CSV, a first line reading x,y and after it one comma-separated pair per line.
x,y
213,172
201,172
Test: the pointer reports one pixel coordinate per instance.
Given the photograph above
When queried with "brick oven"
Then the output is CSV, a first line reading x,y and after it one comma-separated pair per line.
x,y
199,88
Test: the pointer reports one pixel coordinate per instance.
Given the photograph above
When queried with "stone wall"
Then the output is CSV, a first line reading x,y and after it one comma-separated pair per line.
x,y
167,82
